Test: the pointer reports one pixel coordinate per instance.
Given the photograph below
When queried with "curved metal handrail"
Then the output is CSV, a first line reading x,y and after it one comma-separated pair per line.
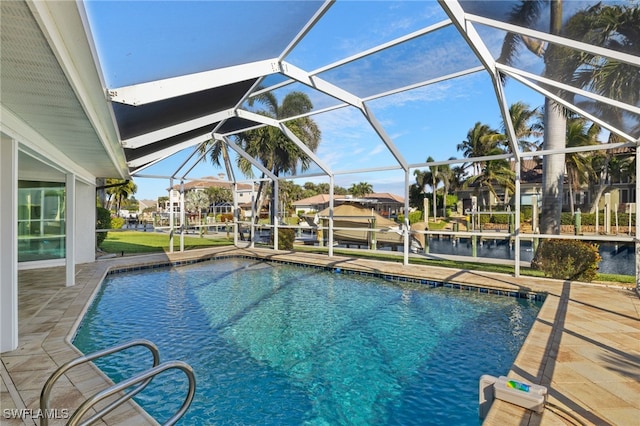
x,y
144,376
46,390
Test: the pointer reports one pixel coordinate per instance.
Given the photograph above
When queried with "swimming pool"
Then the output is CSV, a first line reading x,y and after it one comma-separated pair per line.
x,y
280,344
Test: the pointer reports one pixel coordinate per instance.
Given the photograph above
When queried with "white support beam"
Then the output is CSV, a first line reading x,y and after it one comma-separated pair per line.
x,y
587,148
153,91
182,216
516,220
551,38
186,160
70,230
572,107
510,71
305,148
419,33
177,129
368,170
407,230
307,27
275,123
202,156
246,156
506,118
424,83
274,213
377,127
321,85
364,53
172,220
8,244
468,31
332,185
168,152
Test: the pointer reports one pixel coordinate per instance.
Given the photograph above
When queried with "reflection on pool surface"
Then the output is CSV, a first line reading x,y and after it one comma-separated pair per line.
x,y
279,344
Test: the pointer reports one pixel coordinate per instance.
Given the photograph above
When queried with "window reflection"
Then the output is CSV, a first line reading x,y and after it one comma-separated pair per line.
x,y
41,220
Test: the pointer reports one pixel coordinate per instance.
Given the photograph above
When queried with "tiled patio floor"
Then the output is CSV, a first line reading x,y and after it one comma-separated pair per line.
x,y
584,345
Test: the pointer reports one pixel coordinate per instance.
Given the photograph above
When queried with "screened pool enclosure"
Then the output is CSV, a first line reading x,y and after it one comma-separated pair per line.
x,y
384,92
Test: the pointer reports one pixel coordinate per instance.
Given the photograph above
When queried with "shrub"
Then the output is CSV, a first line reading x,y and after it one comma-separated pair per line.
x,y
286,236
526,212
103,221
117,222
567,259
415,216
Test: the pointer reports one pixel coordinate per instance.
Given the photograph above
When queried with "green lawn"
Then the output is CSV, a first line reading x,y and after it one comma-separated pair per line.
x,y
503,269
136,242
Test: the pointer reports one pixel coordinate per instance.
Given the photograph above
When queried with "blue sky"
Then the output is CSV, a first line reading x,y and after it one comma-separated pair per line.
x,y
143,41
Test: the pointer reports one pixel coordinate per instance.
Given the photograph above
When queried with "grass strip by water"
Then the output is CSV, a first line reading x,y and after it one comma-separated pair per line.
x,y
136,242
444,263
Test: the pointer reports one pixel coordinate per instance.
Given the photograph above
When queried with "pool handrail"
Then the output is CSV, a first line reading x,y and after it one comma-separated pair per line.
x,y
46,389
144,377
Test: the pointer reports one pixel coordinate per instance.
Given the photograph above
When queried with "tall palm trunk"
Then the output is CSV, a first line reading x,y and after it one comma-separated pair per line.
x,y
435,214
552,169
555,127
444,200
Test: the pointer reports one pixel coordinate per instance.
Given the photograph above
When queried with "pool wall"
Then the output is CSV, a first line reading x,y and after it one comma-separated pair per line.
x,y
531,295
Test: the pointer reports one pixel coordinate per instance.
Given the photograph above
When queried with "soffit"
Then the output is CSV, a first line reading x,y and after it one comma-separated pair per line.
x,y
36,89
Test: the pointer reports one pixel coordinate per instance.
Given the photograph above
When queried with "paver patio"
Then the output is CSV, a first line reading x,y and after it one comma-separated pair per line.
x,y
584,345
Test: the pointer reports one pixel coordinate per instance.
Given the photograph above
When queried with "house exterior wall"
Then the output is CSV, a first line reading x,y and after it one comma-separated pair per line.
x,y
8,244
85,224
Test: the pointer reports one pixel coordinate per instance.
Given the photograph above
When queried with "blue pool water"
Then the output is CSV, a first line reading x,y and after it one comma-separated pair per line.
x,y
276,344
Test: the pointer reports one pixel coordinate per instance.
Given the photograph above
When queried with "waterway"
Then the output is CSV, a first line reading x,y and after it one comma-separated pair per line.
x,y
616,258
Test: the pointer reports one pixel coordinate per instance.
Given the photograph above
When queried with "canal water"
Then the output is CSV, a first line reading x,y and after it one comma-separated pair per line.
x,y
616,258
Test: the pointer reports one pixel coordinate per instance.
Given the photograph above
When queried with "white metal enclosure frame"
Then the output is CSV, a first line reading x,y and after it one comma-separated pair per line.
x,y
246,80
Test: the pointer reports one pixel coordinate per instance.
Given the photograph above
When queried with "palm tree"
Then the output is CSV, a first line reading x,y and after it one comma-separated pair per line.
x,y
495,173
526,125
361,189
578,164
480,141
275,151
447,177
612,26
527,14
120,190
618,28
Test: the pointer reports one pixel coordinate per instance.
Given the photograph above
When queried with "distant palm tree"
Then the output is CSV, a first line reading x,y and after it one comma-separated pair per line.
x,y
275,151
578,164
360,189
495,173
480,141
447,177
120,190
527,125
